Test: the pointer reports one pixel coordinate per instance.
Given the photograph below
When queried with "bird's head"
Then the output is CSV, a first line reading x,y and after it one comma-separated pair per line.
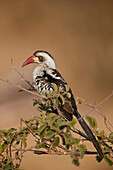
x,y
41,58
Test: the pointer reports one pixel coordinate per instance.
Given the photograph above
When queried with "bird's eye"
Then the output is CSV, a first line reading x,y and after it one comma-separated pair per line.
x,y
41,59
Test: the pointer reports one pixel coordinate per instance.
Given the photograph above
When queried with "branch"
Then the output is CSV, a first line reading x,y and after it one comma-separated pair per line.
x,y
100,112
80,133
106,99
22,88
15,69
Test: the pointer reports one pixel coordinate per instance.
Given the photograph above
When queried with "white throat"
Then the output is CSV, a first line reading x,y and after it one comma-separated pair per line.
x,y
38,71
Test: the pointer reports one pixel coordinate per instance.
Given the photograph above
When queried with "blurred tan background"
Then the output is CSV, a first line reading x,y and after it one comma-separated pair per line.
x,y
79,35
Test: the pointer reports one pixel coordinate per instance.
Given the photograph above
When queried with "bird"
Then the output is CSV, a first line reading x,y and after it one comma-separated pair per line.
x,y
44,75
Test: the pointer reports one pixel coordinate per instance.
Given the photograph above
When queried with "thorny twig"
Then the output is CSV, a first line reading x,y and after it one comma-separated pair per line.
x,y
15,69
30,129
22,88
47,145
100,112
39,152
20,154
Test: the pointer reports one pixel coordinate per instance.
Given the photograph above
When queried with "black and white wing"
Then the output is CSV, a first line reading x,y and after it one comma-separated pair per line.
x,y
43,84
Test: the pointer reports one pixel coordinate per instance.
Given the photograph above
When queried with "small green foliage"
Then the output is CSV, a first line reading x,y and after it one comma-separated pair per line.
x,y
76,162
56,142
74,141
109,161
82,148
56,102
98,158
63,140
40,101
35,102
9,132
42,128
79,100
69,95
111,137
102,133
62,99
107,148
0,148
67,88
51,133
24,142
91,121
73,122
55,87
7,167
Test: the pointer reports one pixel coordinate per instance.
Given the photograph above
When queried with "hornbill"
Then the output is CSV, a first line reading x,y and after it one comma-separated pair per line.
x,y
44,75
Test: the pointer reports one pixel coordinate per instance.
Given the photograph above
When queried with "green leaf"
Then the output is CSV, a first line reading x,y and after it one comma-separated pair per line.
x,y
37,118
9,132
56,102
91,121
0,148
67,88
102,133
19,169
72,154
42,127
81,149
55,87
50,133
48,102
109,161
66,139
50,115
41,106
107,148
54,118
67,146
16,155
111,137
67,130
42,145
69,95
98,158
7,167
63,140
24,142
43,116
4,146
35,102
62,125
73,122
40,101
56,141
75,162
74,140
79,100
43,132
62,98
